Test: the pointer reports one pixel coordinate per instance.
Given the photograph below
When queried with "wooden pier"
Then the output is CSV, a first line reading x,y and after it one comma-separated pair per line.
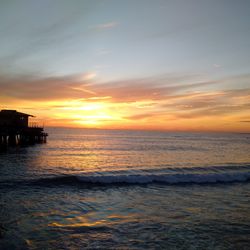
x,y
14,130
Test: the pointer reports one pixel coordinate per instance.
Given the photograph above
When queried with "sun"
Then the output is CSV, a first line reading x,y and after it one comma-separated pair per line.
x,y
97,119
89,114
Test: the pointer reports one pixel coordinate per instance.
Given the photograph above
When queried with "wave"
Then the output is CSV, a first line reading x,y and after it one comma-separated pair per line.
x,y
133,179
169,176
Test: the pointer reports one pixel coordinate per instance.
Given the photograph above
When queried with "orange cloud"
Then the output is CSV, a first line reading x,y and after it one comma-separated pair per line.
x,y
149,103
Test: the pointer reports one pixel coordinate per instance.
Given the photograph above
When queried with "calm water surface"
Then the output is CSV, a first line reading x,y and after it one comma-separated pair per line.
x,y
127,190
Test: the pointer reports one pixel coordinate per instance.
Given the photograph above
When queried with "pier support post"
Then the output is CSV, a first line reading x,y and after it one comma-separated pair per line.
x,y
12,140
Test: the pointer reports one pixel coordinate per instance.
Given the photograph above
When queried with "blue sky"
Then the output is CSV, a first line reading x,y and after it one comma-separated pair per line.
x,y
125,39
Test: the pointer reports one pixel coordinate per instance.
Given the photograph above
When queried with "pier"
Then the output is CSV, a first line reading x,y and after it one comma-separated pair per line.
x,y
14,130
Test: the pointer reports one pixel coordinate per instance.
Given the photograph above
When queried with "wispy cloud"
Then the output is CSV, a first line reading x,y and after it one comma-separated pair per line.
x,y
145,88
51,88
84,86
104,26
187,94
149,100
215,65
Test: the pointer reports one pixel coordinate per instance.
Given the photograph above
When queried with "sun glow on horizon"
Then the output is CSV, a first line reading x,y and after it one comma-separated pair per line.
x,y
86,114
143,115
133,105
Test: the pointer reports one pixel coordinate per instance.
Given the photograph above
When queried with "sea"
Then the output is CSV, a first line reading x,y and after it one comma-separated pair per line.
x,y
120,189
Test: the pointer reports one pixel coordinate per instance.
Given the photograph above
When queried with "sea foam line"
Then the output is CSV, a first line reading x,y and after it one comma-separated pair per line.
x,y
121,178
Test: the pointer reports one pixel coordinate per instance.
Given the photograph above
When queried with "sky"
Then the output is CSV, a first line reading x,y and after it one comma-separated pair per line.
x,y
177,65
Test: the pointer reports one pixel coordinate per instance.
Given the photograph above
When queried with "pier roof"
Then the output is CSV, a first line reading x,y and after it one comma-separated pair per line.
x,y
6,112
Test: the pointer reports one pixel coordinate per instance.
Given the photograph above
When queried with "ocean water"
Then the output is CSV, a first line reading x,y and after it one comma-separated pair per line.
x,y
107,189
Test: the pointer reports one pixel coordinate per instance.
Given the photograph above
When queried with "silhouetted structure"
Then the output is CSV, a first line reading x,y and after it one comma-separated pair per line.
x,y
12,118
15,130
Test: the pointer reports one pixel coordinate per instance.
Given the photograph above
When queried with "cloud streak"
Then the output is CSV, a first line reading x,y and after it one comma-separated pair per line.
x,y
39,88
151,101
105,26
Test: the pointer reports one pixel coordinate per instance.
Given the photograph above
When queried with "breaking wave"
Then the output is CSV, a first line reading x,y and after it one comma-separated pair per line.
x,y
168,176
